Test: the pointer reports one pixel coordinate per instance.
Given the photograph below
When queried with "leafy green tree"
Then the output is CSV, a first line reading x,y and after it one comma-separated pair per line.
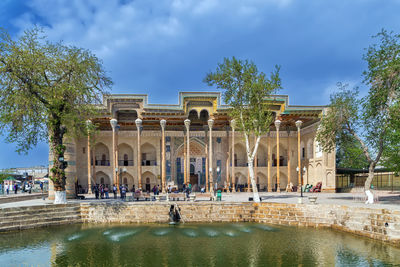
x,y
369,119
47,89
349,153
391,155
246,89
3,176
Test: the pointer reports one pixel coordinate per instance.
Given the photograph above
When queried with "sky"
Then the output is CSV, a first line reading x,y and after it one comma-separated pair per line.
x,y
162,47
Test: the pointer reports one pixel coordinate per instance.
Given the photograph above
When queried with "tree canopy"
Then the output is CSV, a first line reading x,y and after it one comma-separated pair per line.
x,y
246,90
47,89
371,119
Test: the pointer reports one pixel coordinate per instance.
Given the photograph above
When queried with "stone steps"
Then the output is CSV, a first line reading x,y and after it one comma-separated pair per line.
x,y
21,217
14,219
31,211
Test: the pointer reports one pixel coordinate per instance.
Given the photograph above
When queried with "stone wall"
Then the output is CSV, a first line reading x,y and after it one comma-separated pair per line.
x,y
378,224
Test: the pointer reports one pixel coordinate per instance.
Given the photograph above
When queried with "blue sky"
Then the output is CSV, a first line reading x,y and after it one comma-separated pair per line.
x,y
161,47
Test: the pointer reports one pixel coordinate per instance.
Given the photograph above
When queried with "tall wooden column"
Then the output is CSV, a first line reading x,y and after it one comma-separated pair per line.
x,y
269,163
113,123
255,161
163,123
227,180
187,125
288,156
89,157
138,123
277,124
210,155
206,152
94,164
298,125
233,125
184,158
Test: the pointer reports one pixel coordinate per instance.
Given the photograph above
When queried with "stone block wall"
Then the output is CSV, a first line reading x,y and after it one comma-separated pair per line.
x,y
378,224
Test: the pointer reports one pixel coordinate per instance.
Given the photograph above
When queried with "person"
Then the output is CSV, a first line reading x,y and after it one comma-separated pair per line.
x,y
190,188
101,191
184,188
30,188
169,188
115,191
41,187
15,188
8,189
106,191
96,191
202,190
123,192
158,190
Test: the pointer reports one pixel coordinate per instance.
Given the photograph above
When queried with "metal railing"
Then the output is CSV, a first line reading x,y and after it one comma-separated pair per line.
x,y
125,162
149,163
102,163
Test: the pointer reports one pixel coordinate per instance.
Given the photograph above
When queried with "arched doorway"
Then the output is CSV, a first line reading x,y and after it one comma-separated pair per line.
x,y
148,181
196,165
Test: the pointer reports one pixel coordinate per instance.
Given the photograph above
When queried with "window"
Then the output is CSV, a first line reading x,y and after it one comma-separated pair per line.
x,y
219,140
303,152
168,148
168,139
83,150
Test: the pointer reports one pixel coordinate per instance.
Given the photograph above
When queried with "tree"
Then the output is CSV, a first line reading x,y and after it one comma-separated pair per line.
x,y
368,119
391,155
3,176
246,89
46,90
349,153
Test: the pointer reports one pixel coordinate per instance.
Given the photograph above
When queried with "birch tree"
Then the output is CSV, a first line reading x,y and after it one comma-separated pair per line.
x,y
246,89
47,91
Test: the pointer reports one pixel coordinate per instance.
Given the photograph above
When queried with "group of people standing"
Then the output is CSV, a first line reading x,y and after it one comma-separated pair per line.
x,y
103,191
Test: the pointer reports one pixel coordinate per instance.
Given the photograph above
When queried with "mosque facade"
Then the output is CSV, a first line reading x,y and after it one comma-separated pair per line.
x,y
195,141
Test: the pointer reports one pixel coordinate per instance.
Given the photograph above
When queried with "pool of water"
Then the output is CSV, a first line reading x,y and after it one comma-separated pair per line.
x,y
240,244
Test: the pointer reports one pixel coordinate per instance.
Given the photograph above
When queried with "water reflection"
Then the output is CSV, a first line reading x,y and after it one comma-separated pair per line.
x,y
191,245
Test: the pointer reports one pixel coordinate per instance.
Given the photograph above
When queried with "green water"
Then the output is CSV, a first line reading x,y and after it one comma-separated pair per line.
x,y
241,244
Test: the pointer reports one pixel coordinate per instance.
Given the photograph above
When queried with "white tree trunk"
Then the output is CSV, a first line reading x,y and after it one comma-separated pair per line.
x,y
256,196
60,197
250,158
367,186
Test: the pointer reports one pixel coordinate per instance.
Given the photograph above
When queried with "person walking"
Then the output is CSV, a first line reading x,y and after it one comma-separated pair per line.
x,y
102,191
8,189
106,191
15,188
123,192
96,191
115,191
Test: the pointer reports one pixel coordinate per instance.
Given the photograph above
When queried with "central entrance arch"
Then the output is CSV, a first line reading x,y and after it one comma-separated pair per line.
x,y
197,164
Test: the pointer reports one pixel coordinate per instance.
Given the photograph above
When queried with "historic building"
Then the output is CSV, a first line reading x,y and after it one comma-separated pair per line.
x,y
146,144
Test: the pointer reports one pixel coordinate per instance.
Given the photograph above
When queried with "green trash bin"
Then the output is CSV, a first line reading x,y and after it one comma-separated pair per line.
x,y
219,195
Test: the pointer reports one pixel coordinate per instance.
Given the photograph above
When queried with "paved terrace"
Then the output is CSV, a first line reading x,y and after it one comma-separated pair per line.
x,y
387,199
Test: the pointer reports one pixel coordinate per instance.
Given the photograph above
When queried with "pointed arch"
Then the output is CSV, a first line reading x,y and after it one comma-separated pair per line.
x,y
149,155
125,155
102,178
102,154
240,156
